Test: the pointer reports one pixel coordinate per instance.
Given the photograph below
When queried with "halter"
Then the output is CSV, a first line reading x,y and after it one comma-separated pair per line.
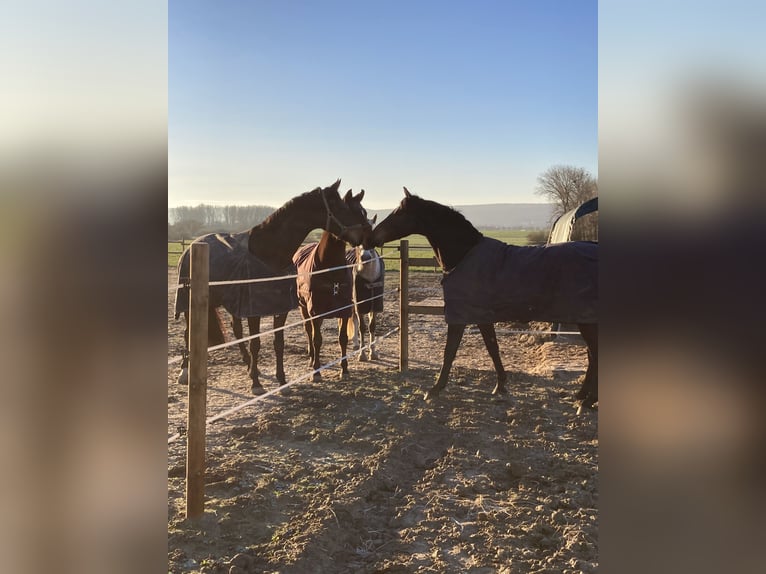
x,y
338,222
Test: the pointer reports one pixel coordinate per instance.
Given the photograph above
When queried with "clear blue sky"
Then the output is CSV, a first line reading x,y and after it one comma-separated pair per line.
x,y
462,102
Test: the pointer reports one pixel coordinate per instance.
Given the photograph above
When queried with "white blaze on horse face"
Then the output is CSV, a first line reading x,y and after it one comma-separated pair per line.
x,y
358,249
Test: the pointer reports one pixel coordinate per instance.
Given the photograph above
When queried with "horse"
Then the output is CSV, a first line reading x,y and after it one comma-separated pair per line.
x,y
486,281
369,279
328,294
265,251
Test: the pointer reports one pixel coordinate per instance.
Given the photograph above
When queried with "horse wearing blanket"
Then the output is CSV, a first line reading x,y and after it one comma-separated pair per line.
x,y
486,281
369,282
265,251
324,295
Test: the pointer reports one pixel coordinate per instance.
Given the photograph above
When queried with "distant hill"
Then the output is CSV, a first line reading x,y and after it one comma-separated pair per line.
x,y
187,221
500,215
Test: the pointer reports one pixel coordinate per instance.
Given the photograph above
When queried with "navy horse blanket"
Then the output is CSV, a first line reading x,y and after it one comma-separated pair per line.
x,y
499,282
230,260
323,292
364,289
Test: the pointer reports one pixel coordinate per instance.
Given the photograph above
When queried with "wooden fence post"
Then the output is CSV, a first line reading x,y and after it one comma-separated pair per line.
x,y
197,410
404,272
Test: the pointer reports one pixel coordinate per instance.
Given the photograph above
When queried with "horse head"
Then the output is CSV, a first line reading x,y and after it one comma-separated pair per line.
x,y
401,222
346,218
368,265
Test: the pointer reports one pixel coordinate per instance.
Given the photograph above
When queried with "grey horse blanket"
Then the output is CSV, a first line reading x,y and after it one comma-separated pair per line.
x,y
230,260
364,289
324,292
500,282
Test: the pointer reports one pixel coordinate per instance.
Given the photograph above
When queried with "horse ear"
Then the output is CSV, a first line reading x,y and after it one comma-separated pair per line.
x,y
374,218
360,196
348,196
336,185
407,193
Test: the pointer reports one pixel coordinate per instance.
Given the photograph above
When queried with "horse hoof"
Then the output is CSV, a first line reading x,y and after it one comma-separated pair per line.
x,y
363,357
586,405
345,376
430,395
374,356
317,377
281,379
183,377
498,390
257,390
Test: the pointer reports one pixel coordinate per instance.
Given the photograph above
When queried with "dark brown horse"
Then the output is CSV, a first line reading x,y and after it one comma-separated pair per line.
x,y
324,295
486,281
266,251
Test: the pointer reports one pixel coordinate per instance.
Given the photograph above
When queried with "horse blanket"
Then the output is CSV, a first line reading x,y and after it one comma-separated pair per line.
x,y
324,292
364,289
499,282
230,260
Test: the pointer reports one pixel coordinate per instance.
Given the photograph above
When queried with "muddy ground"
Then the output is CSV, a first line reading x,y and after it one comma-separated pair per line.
x,y
365,476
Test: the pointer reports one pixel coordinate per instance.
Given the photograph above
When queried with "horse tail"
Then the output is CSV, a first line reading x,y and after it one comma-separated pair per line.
x,y
214,327
350,329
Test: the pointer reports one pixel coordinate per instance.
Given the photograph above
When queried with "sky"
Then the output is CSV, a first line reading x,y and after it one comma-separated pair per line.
x,y
461,102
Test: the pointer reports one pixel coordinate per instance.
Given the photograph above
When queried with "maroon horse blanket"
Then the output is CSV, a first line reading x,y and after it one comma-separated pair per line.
x,y
499,282
324,292
364,290
230,260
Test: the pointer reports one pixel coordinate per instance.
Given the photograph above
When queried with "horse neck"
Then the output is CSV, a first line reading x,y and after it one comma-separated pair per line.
x,y
275,240
331,251
451,238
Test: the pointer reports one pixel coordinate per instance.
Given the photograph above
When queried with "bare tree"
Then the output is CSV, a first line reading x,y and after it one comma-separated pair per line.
x,y
566,187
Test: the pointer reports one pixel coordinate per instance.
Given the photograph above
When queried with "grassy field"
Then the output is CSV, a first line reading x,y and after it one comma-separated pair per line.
x,y
174,251
418,246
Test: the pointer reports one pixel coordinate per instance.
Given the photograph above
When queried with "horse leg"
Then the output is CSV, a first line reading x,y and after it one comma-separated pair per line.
x,y
371,317
357,325
343,342
316,343
307,326
454,336
279,347
236,325
588,392
490,340
183,375
214,337
364,354
254,326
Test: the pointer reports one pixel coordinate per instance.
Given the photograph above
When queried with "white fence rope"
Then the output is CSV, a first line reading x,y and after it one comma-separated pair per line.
x,y
302,378
279,277
282,328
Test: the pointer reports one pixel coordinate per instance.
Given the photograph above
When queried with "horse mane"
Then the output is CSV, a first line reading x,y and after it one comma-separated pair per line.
x,y
446,216
277,214
450,234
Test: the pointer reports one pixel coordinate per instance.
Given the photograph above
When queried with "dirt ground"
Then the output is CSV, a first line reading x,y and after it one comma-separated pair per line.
x,y
365,476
